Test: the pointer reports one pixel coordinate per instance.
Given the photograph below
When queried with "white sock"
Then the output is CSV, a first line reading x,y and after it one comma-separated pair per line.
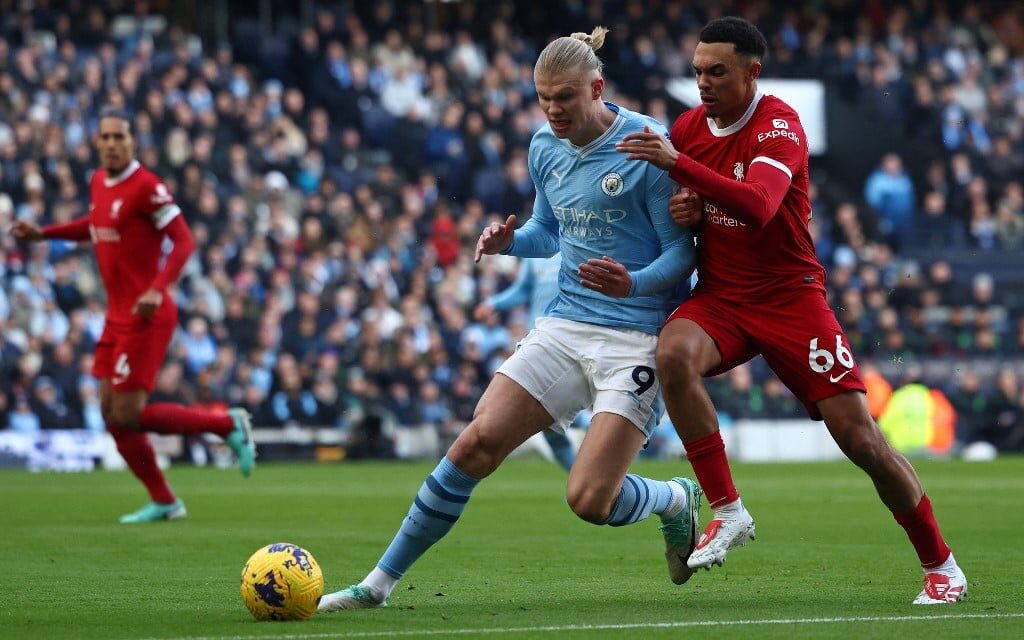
x,y
733,508
947,568
380,583
677,503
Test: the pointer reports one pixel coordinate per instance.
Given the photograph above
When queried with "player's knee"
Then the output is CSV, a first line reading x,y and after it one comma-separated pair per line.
x,y
591,504
124,416
475,452
676,359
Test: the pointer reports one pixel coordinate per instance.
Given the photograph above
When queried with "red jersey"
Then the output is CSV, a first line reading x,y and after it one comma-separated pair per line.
x,y
734,259
126,221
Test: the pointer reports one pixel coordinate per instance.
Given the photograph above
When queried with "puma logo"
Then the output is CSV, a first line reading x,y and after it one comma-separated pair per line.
x,y
555,173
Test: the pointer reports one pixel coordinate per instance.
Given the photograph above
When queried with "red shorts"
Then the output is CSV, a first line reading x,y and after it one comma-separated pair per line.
x,y
131,355
800,339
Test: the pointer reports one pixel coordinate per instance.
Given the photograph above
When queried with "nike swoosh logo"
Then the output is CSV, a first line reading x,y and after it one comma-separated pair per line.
x,y
840,376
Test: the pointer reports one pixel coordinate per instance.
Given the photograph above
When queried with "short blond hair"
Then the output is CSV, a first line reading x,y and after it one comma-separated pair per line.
x,y
569,53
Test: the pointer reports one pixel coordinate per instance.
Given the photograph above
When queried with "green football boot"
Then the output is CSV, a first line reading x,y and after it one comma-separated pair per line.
x,y
241,441
155,512
681,531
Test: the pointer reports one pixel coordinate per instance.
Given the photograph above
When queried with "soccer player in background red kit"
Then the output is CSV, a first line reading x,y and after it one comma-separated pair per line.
x,y
761,290
131,214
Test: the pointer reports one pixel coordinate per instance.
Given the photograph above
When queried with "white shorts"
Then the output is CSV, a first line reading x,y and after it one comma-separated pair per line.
x,y
569,366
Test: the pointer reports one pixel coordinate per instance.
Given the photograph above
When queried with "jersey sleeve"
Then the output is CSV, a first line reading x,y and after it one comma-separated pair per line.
x,y
538,238
677,249
780,143
157,203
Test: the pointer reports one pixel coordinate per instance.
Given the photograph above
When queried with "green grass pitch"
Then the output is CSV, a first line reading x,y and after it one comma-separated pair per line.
x,y
829,561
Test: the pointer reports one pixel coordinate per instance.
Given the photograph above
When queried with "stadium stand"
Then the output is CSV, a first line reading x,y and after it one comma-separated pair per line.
x,y
336,164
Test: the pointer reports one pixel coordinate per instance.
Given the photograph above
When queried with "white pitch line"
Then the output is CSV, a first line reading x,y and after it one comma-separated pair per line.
x,y
604,627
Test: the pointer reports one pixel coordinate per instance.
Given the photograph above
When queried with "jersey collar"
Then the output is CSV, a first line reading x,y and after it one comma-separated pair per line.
x,y
736,126
124,175
594,144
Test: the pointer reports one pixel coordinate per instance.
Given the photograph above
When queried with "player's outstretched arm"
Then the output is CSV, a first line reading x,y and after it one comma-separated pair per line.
x,y
754,201
495,238
77,230
26,230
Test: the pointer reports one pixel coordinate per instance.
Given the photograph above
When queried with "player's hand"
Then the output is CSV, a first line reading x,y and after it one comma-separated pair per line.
x,y
482,311
650,146
27,230
607,276
686,208
496,237
148,302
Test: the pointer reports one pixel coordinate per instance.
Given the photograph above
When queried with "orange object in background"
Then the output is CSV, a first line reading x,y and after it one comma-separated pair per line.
x,y
943,423
879,390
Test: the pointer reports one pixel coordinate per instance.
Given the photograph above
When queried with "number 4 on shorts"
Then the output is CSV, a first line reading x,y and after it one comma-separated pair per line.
x,y
122,369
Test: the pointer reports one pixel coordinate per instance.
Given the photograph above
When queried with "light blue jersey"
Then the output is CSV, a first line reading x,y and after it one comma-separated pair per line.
x,y
536,285
592,202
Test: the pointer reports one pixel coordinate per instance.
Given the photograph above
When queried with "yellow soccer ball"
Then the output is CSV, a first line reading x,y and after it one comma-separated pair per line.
x,y
282,581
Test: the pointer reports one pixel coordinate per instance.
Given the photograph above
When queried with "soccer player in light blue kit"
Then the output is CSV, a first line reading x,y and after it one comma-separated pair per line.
x,y
597,344
536,285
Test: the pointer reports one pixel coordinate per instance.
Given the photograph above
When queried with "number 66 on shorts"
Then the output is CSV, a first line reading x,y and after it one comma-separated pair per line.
x,y
569,366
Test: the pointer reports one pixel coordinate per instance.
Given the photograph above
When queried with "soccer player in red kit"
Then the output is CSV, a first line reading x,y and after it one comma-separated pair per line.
x,y
761,290
130,216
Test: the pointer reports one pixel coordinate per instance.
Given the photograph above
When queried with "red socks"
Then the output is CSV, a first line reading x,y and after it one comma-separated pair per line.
x,y
711,466
141,459
924,534
163,417
167,417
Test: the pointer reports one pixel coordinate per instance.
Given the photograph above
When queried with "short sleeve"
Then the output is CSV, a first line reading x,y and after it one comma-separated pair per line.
x,y
780,142
158,203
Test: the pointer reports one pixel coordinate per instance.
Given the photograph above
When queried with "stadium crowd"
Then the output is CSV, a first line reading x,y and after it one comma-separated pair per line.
x,y
336,176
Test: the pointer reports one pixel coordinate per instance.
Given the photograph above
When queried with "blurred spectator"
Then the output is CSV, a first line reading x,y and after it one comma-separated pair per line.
x,y
891,193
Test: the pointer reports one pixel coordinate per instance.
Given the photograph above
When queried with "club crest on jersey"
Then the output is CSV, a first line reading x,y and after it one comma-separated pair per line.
x,y
779,123
612,184
737,170
115,208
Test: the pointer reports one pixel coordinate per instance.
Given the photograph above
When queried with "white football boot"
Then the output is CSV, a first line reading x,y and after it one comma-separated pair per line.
x,y
355,597
728,529
943,587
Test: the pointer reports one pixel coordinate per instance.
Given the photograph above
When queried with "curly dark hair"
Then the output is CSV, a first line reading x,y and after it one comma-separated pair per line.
x,y
747,38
